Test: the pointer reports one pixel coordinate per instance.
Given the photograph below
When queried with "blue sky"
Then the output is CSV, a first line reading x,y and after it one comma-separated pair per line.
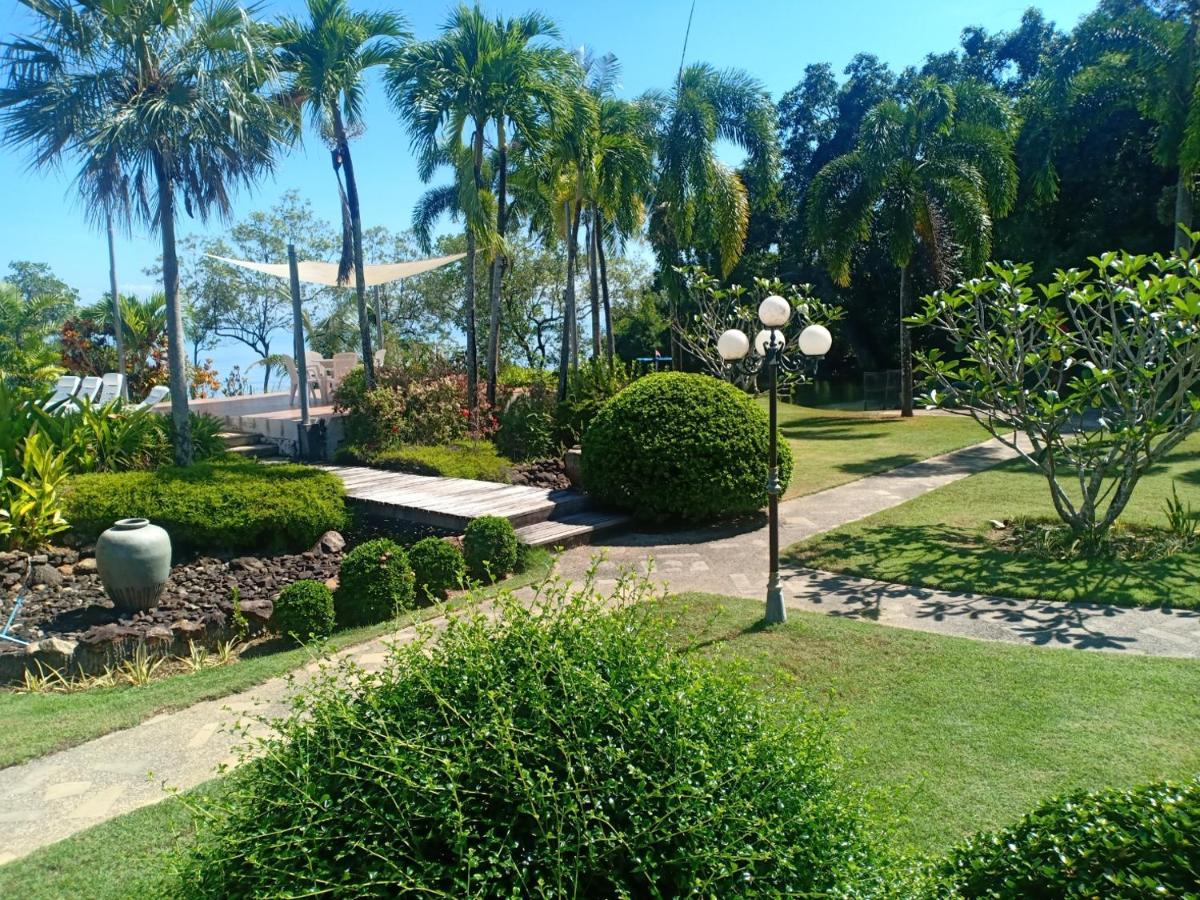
x,y
772,39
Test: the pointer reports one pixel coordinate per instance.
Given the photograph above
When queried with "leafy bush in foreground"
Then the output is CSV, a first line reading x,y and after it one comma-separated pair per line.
x,y
303,610
212,507
681,447
564,750
375,583
1143,842
490,548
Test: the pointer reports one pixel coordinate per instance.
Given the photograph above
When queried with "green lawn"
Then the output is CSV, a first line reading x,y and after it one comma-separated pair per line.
x,y
33,725
944,539
833,446
952,735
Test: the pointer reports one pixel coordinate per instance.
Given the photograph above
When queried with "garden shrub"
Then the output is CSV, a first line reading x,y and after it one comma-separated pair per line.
x,y
490,548
564,750
437,567
527,425
676,447
304,610
214,507
375,583
1143,842
477,460
588,388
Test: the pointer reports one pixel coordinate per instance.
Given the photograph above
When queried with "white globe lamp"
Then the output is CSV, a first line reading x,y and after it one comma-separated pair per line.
x,y
815,340
764,337
733,345
774,311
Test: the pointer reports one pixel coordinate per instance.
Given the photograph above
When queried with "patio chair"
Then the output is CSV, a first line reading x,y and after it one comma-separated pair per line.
x,y
89,390
112,388
314,373
343,365
318,370
379,356
157,395
64,389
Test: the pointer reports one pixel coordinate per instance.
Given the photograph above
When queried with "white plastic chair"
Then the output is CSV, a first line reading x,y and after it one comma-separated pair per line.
x,y
314,382
112,388
318,373
89,390
379,356
157,395
343,365
64,389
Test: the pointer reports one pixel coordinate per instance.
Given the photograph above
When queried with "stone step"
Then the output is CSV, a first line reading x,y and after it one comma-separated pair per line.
x,y
571,530
254,451
233,439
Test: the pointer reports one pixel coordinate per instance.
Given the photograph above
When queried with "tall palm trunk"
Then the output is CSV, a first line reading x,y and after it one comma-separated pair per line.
x,y
176,368
1184,180
609,340
472,257
593,282
906,369
360,286
498,265
569,352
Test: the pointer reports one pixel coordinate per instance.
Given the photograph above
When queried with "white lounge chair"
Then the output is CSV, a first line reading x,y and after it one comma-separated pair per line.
x,y
157,395
112,388
64,389
89,390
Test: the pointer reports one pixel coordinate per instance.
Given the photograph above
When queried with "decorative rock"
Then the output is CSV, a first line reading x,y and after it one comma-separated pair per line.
x,y
257,612
86,566
47,575
329,543
159,633
187,631
53,652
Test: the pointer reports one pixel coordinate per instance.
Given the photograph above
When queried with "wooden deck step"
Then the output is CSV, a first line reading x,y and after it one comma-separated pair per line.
x,y
233,439
254,451
570,530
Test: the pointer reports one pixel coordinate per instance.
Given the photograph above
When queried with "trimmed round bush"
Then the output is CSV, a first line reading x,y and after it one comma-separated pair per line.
x,y
680,448
490,548
214,507
437,567
303,610
558,751
1143,842
375,583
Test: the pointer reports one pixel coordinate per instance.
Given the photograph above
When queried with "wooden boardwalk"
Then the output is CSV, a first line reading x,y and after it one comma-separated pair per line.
x,y
541,517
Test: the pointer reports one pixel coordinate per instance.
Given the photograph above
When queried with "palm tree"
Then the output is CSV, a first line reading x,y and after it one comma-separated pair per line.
x,y
699,208
157,100
480,76
325,59
28,326
928,173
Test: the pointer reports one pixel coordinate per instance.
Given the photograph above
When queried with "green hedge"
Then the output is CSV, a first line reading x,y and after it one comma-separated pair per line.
x,y
677,447
304,611
214,507
375,583
490,548
476,460
1143,842
438,566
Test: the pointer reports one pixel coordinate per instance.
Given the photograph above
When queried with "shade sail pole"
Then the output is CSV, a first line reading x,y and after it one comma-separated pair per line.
x,y
298,335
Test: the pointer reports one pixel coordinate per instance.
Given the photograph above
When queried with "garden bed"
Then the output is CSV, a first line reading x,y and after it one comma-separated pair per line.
x,y
72,627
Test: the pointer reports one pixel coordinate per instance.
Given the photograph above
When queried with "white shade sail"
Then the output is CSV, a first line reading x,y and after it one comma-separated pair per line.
x,y
326,273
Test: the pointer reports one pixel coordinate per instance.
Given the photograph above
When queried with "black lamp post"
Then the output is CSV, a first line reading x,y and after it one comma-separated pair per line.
x,y
734,347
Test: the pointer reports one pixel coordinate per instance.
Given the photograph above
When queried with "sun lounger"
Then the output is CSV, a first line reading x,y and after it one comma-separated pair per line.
x,y
64,389
112,388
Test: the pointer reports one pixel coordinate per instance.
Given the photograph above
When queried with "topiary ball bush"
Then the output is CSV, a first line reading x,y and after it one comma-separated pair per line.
x,y
437,567
1143,842
375,583
680,448
558,751
490,548
304,610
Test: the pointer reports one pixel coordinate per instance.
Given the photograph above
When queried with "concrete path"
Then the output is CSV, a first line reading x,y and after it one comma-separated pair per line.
x,y
48,799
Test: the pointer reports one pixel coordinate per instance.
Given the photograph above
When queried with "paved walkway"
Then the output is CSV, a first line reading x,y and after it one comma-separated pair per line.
x,y
48,799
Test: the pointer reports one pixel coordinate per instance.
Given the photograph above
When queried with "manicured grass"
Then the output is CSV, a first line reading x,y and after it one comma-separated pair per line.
x,y
833,446
944,539
961,735
34,724
952,735
477,460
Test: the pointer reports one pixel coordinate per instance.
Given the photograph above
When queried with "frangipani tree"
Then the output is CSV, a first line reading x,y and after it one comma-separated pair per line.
x,y
1091,379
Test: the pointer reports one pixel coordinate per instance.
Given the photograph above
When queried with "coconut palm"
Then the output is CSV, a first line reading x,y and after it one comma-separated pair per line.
x,y
699,207
28,326
481,76
157,101
928,175
325,59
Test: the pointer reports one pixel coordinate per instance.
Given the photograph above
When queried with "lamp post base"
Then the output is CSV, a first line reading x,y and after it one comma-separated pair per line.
x,y
776,612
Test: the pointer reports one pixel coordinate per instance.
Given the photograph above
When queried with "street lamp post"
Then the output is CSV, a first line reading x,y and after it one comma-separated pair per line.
x,y
769,343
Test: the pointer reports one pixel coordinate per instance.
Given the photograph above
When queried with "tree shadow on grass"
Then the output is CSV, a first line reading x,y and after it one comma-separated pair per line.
x,y
879,464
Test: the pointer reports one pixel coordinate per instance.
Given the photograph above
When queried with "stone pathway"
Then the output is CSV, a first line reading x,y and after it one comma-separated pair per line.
x,y
51,798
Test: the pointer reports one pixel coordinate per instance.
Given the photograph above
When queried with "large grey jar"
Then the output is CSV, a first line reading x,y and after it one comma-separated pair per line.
x,y
134,561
